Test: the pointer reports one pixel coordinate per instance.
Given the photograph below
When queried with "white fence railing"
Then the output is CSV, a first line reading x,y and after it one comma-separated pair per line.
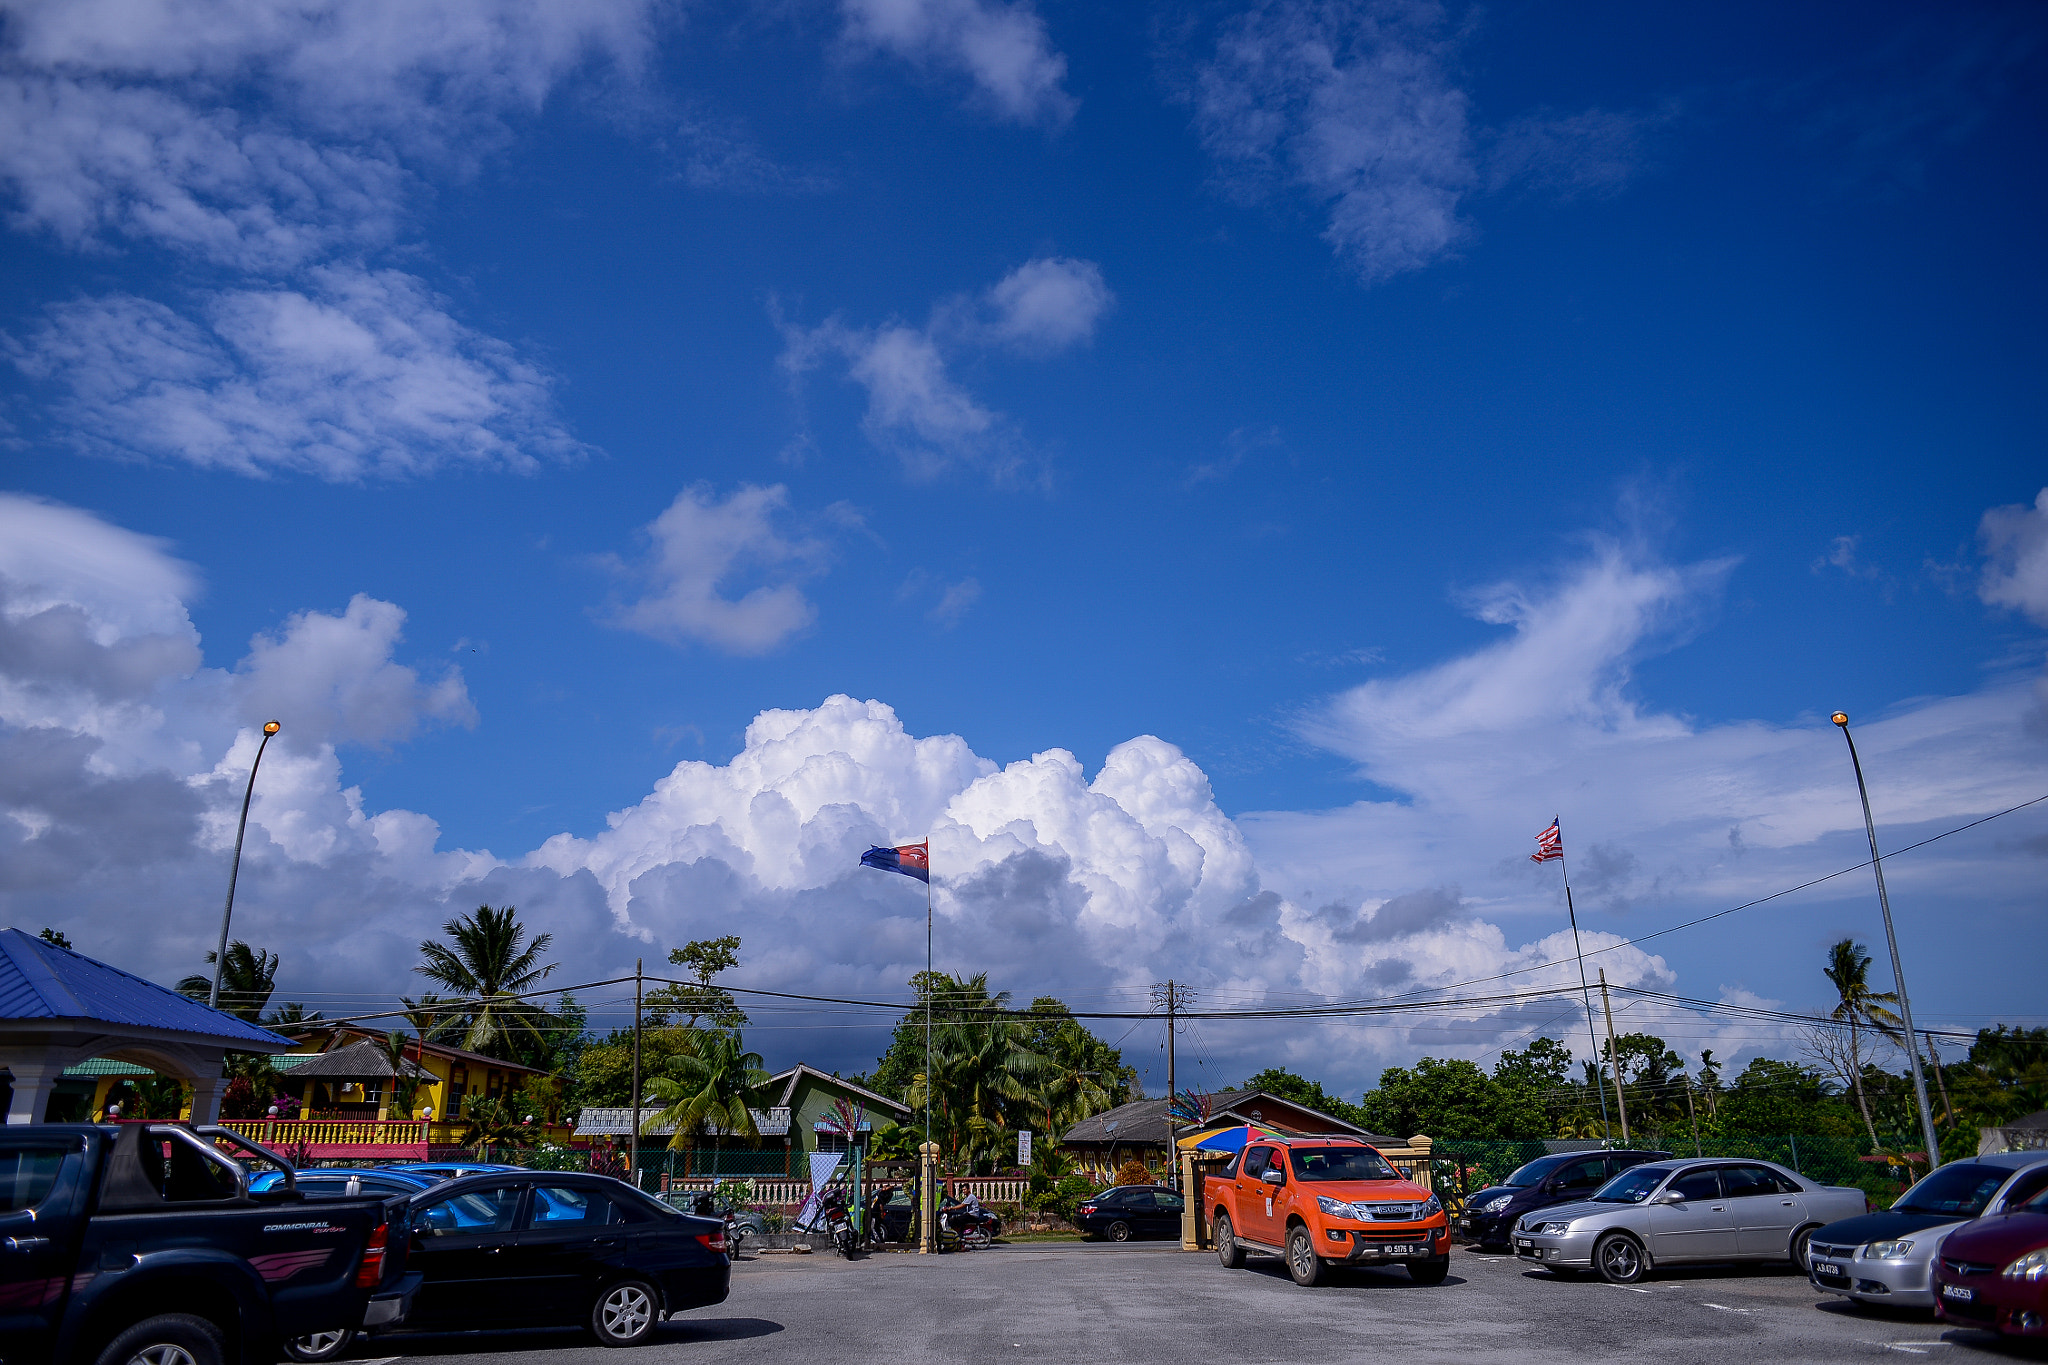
x,y
988,1191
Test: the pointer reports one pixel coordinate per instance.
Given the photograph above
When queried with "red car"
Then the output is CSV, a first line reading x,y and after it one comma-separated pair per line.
x,y
1993,1273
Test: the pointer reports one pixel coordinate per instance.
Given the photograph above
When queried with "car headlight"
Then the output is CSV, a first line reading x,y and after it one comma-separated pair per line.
x,y
1431,1207
1555,1229
2032,1266
1337,1208
1884,1251
1496,1204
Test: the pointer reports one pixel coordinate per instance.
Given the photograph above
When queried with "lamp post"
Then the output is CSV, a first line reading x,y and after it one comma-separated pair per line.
x,y
220,956
1884,905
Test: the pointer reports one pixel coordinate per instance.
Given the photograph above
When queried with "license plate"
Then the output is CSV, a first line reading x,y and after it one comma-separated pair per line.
x,y
1521,1245
1829,1270
1399,1251
1959,1293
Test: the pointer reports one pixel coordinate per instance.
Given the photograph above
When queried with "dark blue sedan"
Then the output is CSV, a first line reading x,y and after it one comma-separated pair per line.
x,y
554,1249
1123,1213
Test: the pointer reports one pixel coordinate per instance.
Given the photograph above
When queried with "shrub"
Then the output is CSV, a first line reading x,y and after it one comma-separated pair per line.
x,y
239,1100
1133,1172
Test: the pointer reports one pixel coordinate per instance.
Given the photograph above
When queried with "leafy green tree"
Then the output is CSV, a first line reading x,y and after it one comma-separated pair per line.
x,y
1439,1097
489,963
700,999
1859,1007
56,936
604,1068
1533,1091
1771,1097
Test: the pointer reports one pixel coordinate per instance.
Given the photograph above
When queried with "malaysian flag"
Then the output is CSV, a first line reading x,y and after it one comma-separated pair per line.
x,y
1549,844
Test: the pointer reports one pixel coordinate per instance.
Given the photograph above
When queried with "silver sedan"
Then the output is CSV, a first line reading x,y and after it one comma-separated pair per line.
x,y
1887,1258
1666,1212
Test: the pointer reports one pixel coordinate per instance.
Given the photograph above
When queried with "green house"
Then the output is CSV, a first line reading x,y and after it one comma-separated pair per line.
x,y
808,1095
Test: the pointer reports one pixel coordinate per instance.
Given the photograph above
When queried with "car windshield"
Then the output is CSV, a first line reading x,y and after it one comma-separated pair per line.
x,y
1630,1187
1340,1163
1534,1172
1962,1189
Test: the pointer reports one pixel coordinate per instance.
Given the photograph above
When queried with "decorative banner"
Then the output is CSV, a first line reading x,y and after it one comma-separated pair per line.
x,y
822,1166
1023,1146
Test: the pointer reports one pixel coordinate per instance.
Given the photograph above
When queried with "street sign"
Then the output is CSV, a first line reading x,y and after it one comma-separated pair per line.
x,y
1023,1146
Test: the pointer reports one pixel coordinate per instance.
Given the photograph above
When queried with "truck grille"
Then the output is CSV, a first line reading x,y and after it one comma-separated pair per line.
x,y
1394,1213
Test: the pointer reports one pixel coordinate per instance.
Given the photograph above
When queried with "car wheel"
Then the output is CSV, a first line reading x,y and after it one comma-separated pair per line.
x,y
1302,1262
1119,1231
625,1313
318,1346
167,1339
1802,1251
1619,1259
1227,1249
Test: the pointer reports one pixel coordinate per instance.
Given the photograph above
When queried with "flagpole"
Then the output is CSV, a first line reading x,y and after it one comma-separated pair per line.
x,y
927,988
1585,991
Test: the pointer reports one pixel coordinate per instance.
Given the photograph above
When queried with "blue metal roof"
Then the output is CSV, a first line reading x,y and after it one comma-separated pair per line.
x,y
39,980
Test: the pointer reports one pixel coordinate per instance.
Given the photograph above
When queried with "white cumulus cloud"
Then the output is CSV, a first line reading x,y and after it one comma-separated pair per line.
x,y
699,545
2016,550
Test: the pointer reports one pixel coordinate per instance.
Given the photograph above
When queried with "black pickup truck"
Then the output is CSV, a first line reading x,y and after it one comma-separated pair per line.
x,y
140,1244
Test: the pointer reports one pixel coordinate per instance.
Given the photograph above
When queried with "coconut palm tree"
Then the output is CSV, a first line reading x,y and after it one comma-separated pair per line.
x,y
489,964
707,1085
245,982
983,1069
1860,1007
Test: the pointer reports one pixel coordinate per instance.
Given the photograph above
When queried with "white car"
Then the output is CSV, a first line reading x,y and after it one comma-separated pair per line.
x,y
1664,1212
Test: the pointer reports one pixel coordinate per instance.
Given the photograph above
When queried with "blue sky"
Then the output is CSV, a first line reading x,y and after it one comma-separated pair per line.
x,y
1423,419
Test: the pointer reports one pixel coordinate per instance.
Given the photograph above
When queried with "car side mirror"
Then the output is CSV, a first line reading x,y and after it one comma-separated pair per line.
x,y
1272,1176
1668,1197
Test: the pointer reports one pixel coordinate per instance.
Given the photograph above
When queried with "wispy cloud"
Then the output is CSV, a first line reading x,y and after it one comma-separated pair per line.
x,y
357,374
699,547
1003,48
916,410
1358,106
2015,541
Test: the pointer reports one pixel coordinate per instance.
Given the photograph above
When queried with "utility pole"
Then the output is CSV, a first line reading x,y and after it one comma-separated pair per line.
x,y
1884,904
1172,995
1691,1114
633,1140
1613,1057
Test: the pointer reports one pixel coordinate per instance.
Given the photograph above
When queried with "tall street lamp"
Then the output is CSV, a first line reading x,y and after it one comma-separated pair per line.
x,y
1884,904
220,956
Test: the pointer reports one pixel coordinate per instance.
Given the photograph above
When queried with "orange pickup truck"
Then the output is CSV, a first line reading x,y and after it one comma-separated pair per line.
x,y
1319,1202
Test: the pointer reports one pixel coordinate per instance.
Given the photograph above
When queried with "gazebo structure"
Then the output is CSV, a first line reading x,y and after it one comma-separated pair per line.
x,y
59,1008
361,1067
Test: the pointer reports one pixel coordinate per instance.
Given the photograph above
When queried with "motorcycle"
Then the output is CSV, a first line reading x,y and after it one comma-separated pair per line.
x,y
839,1224
976,1227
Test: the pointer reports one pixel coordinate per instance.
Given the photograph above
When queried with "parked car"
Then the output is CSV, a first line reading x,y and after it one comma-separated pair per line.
x,y
1318,1202
448,1170
143,1242
558,1249
334,1183
1664,1212
1123,1212
1993,1273
1562,1178
1888,1257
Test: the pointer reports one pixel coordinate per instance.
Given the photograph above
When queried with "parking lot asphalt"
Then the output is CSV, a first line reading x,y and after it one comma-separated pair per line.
x,y
1152,1302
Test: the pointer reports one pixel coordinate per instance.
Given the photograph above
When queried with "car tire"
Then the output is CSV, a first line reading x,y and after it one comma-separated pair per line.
x,y
1227,1249
167,1339
625,1313
1119,1231
1431,1271
319,1346
1802,1252
1302,1262
1620,1259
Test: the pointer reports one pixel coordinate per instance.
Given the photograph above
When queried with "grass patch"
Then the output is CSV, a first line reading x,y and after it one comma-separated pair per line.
x,y
1040,1237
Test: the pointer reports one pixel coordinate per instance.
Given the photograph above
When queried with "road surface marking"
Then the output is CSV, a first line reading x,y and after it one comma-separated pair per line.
x,y
1629,1287
1724,1307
